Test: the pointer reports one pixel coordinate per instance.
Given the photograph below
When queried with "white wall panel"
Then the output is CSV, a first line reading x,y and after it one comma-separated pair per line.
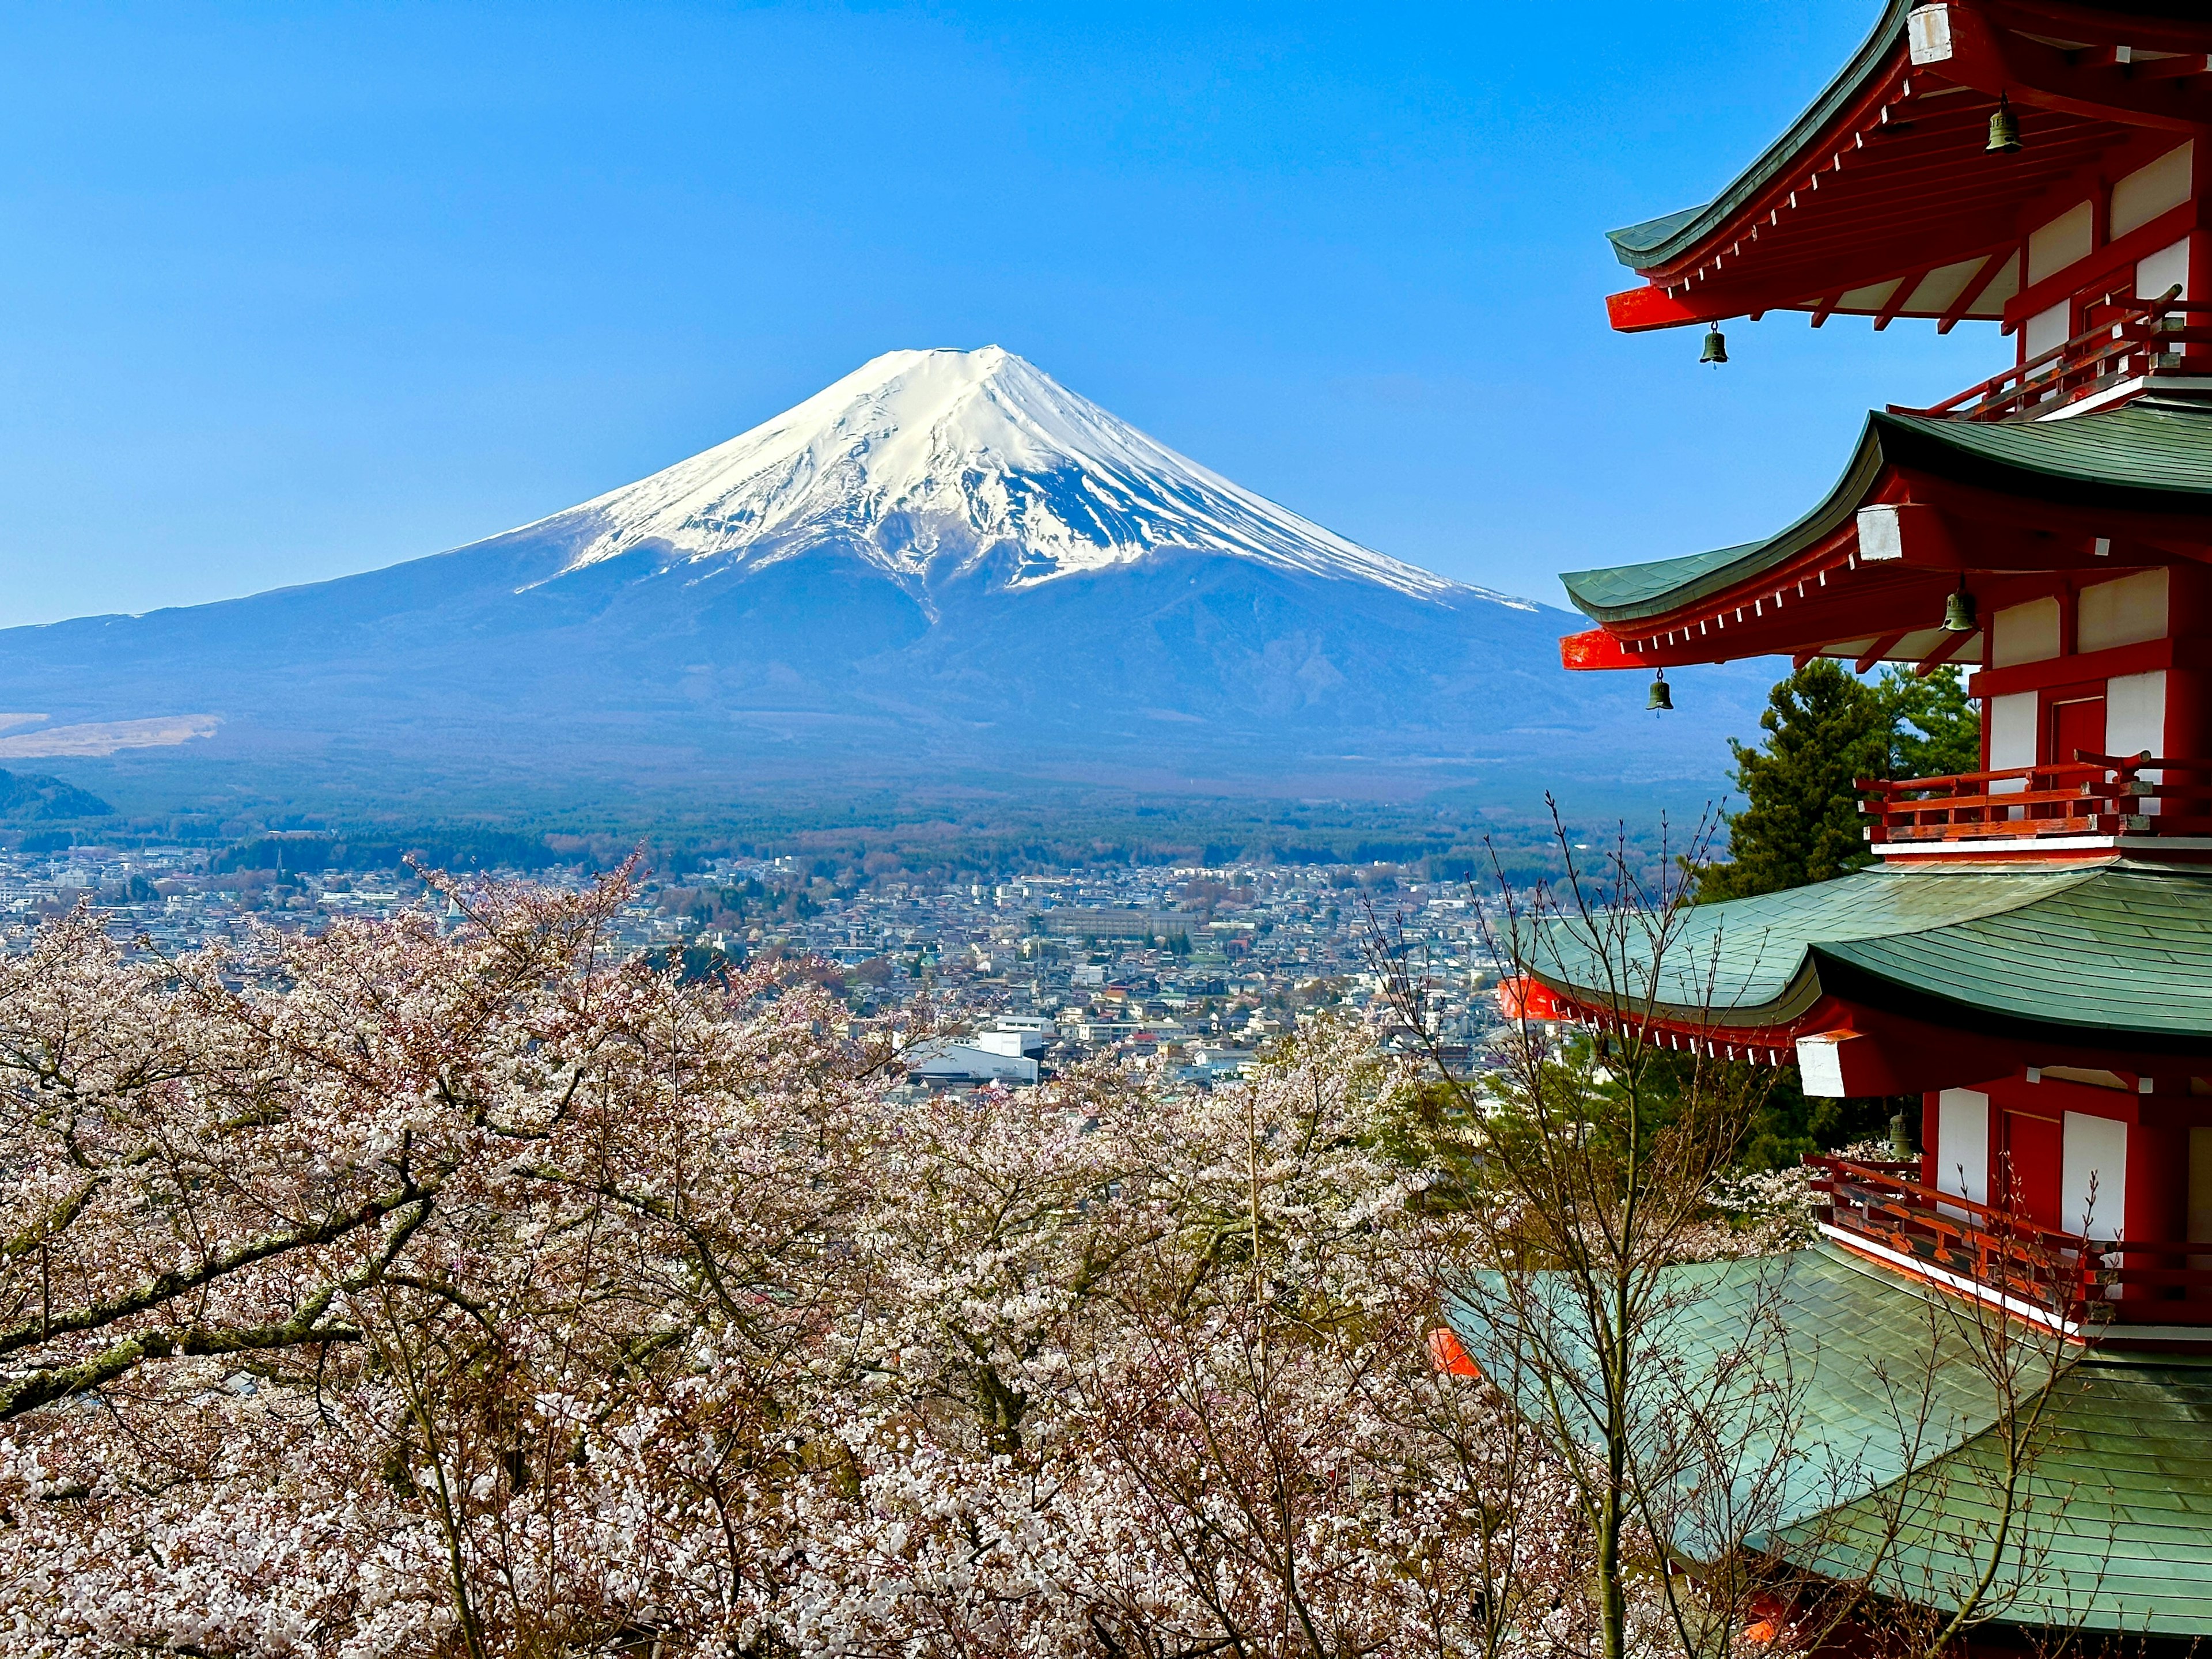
x,y
2134,714
2126,611
1962,1143
2047,330
2096,1155
2165,268
2013,737
2024,633
2151,190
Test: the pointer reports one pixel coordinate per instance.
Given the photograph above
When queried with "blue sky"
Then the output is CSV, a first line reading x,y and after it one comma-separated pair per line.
x,y
291,291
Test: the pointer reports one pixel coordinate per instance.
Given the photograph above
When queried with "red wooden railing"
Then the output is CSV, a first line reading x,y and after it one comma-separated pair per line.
x,y
2125,341
2089,795
2059,1274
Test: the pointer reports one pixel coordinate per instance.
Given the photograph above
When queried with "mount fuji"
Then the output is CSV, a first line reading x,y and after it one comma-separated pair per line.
x,y
944,564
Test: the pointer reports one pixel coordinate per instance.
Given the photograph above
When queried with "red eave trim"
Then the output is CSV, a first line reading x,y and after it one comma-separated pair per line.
x,y
1598,649
1640,308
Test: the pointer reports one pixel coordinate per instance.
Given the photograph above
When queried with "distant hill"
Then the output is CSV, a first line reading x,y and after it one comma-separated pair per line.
x,y
31,796
944,565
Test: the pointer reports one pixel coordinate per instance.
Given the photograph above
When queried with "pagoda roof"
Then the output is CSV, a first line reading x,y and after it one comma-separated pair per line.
x,y
1878,1426
1880,199
2116,957
1657,242
2149,456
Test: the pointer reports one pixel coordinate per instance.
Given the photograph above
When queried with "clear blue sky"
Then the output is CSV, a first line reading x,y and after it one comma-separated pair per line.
x,y
289,291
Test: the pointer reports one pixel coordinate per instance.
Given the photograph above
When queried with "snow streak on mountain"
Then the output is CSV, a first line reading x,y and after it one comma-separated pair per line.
x,y
927,461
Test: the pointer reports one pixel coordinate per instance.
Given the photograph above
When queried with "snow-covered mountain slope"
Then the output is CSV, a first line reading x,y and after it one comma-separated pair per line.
x,y
925,462
945,564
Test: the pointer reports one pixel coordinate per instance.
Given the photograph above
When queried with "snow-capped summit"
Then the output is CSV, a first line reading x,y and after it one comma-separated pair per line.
x,y
944,566
929,462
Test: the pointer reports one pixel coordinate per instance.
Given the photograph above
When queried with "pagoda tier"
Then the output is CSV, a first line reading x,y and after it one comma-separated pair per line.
x,y
1900,980
2057,1024
2066,564
1885,199
2008,514
1895,1457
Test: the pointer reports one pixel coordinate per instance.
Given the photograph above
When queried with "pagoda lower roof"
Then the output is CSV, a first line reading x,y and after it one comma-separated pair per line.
x,y
1853,1366
2117,957
2150,456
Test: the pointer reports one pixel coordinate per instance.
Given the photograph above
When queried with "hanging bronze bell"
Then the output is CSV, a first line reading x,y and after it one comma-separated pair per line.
x,y
1716,351
2004,129
1958,613
1661,697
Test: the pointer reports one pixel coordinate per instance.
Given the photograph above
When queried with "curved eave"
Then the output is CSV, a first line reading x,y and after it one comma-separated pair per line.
x,y
1657,243
2116,960
1866,979
1641,593
1881,200
2140,459
1771,1022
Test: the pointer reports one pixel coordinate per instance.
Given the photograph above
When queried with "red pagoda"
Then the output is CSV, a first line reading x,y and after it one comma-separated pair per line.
x,y
2031,952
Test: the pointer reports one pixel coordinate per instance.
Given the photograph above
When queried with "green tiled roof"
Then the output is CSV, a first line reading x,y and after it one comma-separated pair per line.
x,y
2115,1531
2146,456
1874,1456
2117,954
1654,241
1829,1433
2151,454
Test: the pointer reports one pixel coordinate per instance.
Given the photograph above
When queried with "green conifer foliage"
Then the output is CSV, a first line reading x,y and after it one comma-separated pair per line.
x,y
1934,730
1825,728
1800,821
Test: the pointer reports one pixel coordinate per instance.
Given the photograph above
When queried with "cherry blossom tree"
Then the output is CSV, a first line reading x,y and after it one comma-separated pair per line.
x,y
457,1287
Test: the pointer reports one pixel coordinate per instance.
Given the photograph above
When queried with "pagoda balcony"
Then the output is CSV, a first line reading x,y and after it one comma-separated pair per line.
x,y
2130,348
2087,1289
2107,799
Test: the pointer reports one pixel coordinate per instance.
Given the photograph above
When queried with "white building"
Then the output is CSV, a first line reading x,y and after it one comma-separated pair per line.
x,y
937,1060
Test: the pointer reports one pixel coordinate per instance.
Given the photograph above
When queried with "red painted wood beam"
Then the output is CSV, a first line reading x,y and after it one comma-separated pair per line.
x,y
1880,648
1986,55
2167,68
2111,260
1972,291
1596,649
2100,26
1898,295
1951,645
1897,189
1641,309
1902,198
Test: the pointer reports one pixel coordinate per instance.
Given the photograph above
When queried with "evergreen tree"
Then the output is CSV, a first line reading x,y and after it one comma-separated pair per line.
x,y
1826,728
1800,821
1934,728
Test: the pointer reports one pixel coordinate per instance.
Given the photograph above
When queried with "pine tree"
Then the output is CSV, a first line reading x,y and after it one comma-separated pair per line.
x,y
1800,823
1934,728
1825,728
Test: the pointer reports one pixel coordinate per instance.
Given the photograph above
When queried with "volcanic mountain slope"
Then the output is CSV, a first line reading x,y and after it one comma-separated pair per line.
x,y
943,560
